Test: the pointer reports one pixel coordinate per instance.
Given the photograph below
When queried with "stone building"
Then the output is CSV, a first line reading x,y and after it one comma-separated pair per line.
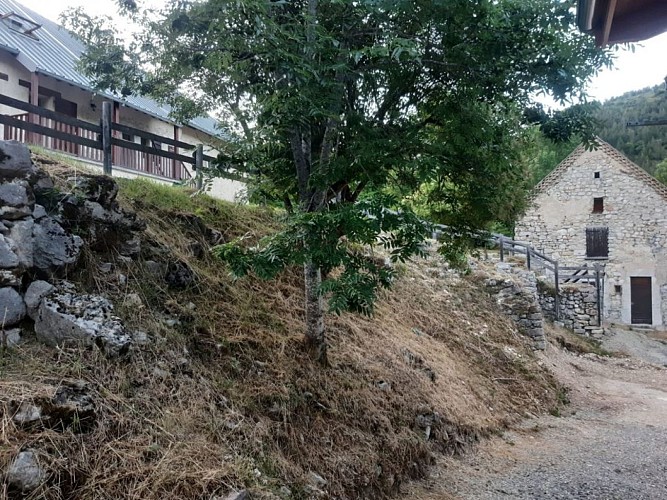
x,y
598,207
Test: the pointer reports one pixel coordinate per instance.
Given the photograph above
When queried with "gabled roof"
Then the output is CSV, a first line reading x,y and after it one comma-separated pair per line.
x,y
54,52
630,168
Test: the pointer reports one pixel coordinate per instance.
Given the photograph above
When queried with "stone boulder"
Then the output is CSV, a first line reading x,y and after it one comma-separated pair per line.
x,y
12,307
67,316
17,200
25,474
54,248
15,161
92,209
69,405
34,296
8,259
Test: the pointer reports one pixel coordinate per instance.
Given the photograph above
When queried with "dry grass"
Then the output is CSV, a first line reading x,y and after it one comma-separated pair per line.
x,y
228,399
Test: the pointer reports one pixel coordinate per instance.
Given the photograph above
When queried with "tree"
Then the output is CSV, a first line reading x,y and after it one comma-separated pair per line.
x,y
332,101
661,171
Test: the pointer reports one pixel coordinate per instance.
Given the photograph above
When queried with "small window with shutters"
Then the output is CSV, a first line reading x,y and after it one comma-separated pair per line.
x,y
597,242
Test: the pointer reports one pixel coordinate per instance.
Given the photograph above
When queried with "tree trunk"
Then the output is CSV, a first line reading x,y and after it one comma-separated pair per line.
x,y
315,338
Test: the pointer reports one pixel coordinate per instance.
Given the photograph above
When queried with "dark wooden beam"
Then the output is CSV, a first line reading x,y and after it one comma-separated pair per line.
x,y
34,100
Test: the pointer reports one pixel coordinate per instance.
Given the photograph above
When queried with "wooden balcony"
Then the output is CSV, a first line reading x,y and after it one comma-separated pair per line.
x,y
129,159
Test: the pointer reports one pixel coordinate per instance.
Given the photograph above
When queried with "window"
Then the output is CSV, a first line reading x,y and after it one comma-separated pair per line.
x,y
618,289
4,76
127,137
597,242
596,175
21,24
598,205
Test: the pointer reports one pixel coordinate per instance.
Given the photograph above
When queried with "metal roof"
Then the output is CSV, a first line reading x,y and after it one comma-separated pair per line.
x,y
56,53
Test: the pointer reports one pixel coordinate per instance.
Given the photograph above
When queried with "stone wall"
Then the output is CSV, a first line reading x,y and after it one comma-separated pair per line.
x,y
515,290
635,213
578,308
37,240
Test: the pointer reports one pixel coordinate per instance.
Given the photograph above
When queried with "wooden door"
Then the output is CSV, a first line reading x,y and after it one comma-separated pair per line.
x,y
641,301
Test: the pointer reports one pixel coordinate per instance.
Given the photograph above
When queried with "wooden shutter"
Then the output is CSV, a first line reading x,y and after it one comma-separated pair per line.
x,y
597,242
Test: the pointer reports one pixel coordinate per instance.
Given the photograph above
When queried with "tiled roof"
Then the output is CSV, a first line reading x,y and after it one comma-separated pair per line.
x,y
56,53
632,168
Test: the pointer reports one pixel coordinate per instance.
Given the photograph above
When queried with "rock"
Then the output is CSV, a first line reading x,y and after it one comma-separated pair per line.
x,y
179,275
25,474
34,295
314,479
21,235
10,277
96,188
15,161
159,373
27,414
155,268
12,307
237,495
39,212
8,259
11,337
66,316
131,247
105,267
140,338
133,300
54,248
3,229
72,403
16,200
285,492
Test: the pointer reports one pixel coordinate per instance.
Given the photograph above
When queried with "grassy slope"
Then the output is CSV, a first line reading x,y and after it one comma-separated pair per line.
x,y
228,399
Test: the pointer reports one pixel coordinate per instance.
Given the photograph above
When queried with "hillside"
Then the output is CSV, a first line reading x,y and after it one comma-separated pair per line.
x,y
220,395
646,146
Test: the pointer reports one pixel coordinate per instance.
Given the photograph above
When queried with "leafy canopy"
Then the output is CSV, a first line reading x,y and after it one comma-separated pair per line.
x,y
336,104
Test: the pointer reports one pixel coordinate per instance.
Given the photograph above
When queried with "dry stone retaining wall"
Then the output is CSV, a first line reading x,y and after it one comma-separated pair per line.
x,y
578,308
516,293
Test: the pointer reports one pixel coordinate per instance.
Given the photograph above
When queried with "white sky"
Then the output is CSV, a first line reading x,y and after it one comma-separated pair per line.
x,y
647,66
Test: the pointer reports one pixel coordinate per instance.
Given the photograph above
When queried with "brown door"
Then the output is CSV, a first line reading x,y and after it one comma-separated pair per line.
x,y
641,305
68,108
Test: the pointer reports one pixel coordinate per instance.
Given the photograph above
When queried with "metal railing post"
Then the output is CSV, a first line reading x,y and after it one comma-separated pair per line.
x,y
528,252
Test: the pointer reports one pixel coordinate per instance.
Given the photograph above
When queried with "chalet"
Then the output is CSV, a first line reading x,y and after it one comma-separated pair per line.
x,y
599,207
38,65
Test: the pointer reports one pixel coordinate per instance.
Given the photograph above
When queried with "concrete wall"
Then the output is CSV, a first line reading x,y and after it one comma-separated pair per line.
x,y
635,212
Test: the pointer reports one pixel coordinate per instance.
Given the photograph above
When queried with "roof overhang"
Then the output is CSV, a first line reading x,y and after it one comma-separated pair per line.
x,y
620,21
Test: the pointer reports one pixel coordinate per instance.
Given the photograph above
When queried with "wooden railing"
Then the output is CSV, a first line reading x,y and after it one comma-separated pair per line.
x,y
98,142
593,275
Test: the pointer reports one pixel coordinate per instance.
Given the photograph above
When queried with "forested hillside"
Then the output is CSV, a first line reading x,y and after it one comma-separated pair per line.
x,y
646,146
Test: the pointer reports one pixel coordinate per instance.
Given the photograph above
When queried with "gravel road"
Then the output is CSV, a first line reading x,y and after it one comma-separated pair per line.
x,y
611,443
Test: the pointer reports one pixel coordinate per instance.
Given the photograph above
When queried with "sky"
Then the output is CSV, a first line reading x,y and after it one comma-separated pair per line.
x,y
647,66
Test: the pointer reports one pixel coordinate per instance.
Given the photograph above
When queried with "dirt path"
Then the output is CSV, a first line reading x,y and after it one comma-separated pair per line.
x,y
611,443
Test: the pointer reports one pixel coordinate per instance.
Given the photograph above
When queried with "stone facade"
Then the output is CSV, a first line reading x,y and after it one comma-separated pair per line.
x,y
633,210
